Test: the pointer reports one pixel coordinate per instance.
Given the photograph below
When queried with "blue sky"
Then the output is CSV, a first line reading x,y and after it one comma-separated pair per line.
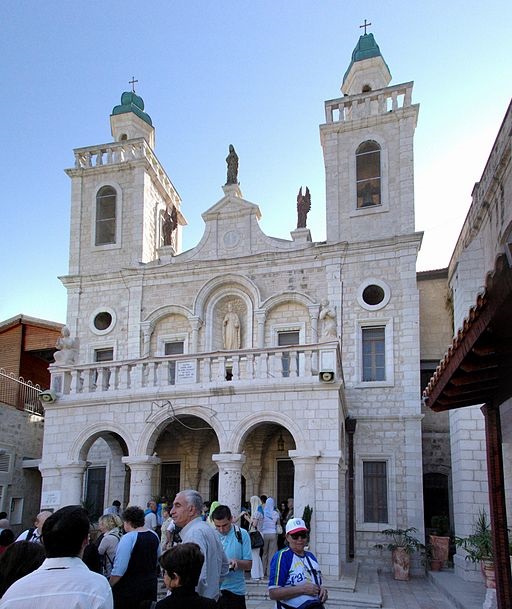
x,y
254,74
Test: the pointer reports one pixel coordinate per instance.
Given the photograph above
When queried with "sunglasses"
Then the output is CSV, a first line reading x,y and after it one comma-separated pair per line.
x,y
301,535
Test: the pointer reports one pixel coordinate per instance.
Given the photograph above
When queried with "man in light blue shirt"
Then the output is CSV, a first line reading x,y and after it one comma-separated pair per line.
x,y
236,544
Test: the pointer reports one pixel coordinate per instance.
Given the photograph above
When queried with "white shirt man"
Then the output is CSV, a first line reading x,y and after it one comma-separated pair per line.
x,y
63,580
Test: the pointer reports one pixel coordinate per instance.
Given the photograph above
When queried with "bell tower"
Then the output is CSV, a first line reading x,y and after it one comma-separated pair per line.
x,y
124,209
367,143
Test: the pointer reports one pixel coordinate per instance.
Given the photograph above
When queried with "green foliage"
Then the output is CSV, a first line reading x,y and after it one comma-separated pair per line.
x,y
306,516
478,545
402,538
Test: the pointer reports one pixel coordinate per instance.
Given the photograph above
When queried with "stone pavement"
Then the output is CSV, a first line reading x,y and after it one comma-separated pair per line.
x,y
440,590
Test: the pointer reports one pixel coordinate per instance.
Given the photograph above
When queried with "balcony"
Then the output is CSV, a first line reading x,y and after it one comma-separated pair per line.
x,y
289,365
373,103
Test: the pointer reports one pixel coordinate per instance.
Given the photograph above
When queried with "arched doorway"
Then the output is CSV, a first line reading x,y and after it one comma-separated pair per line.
x,y
106,477
185,446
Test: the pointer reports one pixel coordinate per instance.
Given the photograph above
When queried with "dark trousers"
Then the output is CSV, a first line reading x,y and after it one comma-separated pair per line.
x,y
229,600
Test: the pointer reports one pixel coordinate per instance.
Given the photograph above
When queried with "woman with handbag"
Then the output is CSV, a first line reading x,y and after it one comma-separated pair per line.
x,y
255,522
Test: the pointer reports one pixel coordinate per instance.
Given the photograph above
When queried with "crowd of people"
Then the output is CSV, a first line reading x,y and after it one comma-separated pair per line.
x,y
203,553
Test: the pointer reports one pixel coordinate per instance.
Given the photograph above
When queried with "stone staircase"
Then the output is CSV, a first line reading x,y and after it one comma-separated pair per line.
x,y
358,588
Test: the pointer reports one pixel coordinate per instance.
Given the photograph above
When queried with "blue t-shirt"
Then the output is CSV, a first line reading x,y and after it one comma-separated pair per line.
x,y
234,550
289,569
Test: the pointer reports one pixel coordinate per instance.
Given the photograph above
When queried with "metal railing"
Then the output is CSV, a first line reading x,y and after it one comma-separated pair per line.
x,y
24,395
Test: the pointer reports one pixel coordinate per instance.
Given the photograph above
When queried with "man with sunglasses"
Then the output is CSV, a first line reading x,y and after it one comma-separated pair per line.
x,y
295,580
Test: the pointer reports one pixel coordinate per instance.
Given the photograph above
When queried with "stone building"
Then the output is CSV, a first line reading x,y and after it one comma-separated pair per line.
x,y
27,346
249,364
477,369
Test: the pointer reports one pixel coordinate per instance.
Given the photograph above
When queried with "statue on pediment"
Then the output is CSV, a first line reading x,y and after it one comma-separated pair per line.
x,y
67,348
303,207
232,162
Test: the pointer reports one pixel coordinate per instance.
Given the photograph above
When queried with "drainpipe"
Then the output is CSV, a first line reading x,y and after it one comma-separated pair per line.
x,y
350,427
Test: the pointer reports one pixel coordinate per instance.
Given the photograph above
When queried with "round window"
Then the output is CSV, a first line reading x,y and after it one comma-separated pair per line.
x,y
103,320
373,294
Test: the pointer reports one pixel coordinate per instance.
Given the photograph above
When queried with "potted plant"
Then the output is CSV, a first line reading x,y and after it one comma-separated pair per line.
x,y
478,548
306,516
439,541
402,544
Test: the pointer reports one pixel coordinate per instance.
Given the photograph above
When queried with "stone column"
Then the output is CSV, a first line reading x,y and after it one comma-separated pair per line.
x,y
260,320
141,468
313,316
147,330
72,481
50,487
194,342
304,482
230,479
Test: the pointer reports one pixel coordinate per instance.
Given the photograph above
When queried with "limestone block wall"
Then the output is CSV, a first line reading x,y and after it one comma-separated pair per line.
x,y
22,438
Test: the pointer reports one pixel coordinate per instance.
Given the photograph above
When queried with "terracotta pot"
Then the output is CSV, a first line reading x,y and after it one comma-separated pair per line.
x,y
401,564
487,568
440,547
436,564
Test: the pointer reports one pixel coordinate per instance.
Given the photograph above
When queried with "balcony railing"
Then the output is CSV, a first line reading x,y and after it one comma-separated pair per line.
x,y
22,394
205,370
116,153
364,105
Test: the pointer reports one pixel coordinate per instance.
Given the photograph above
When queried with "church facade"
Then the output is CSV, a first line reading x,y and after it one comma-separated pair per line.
x,y
248,364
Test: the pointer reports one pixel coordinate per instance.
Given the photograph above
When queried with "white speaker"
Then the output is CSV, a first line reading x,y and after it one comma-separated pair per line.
x,y
326,376
48,397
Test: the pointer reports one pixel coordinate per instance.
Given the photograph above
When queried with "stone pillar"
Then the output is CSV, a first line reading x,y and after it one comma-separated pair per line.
x,y
141,468
260,320
230,479
313,316
72,481
194,342
304,482
147,330
50,487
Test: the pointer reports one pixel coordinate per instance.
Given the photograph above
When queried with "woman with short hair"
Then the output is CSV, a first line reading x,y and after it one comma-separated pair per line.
x,y
110,526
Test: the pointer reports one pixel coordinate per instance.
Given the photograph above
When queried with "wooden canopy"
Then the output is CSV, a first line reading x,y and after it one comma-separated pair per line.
x,y
477,369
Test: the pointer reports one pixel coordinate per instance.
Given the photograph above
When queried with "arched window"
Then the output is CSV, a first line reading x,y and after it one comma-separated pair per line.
x,y
368,174
106,216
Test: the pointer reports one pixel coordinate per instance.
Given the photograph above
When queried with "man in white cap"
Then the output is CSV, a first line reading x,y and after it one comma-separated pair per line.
x,y
295,577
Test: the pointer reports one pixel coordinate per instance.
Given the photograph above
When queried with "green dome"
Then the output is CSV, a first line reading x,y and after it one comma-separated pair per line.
x,y
131,102
365,49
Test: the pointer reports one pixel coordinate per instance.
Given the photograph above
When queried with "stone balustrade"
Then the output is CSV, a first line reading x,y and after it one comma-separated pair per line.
x,y
125,151
373,103
198,371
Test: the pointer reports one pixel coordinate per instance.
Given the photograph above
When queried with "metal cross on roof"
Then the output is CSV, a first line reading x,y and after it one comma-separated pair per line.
x,y
133,81
365,25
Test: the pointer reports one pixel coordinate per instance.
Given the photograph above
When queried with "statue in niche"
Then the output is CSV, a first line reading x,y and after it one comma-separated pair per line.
x,y
328,318
232,162
169,225
67,348
231,329
303,207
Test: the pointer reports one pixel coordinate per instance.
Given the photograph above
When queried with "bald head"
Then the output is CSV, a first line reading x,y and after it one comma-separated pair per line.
x,y
41,519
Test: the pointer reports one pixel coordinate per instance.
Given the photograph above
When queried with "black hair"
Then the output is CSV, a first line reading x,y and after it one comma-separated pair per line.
x,y
263,498
134,515
186,560
221,512
6,537
116,502
18,560
65,530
